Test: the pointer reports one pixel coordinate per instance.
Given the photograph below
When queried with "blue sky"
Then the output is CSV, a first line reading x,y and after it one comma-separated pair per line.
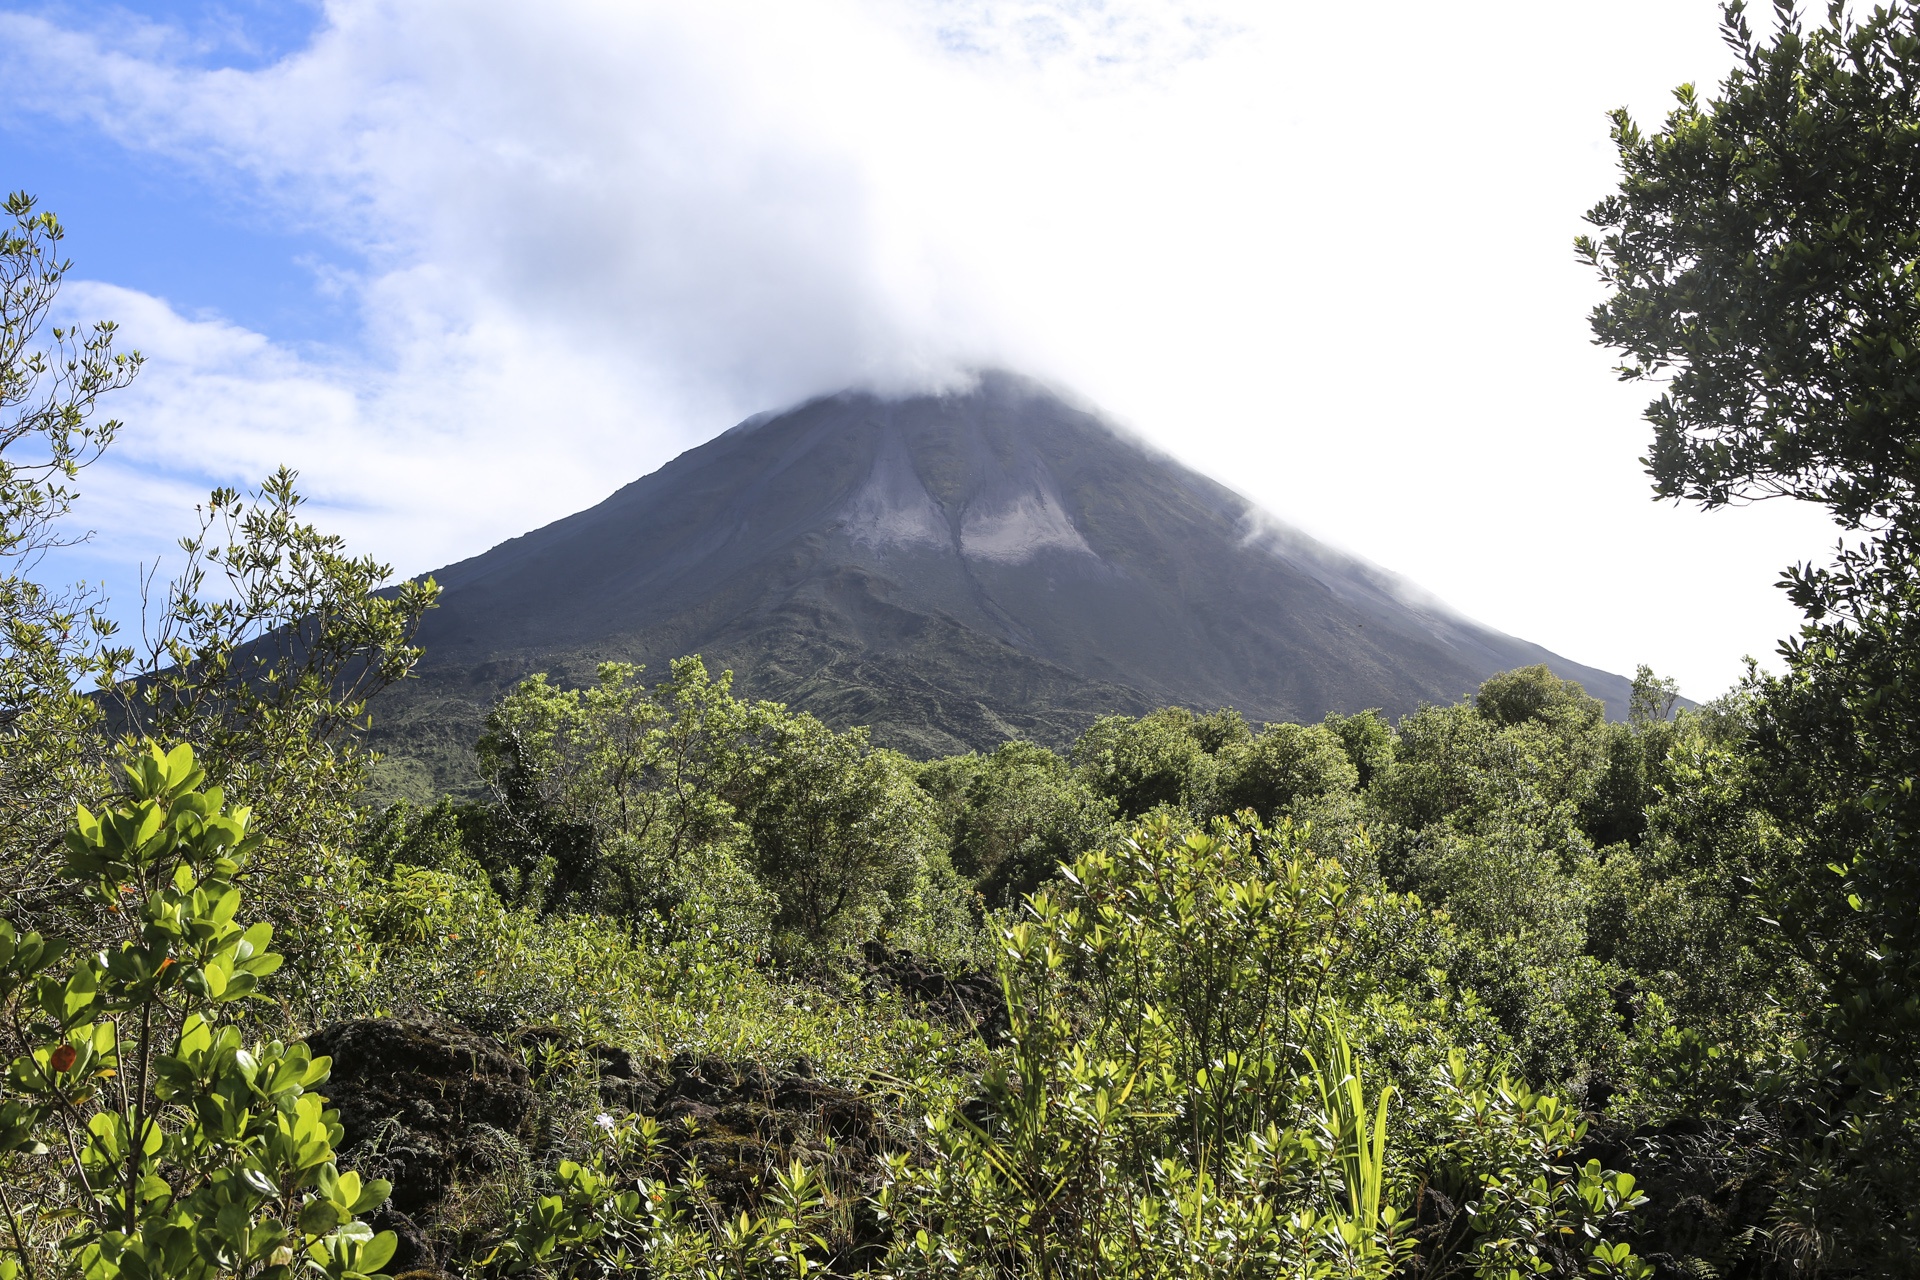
x,y
471,264
153,224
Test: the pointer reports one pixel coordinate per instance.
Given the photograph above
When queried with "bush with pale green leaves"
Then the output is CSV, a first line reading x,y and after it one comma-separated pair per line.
x,y
143,1136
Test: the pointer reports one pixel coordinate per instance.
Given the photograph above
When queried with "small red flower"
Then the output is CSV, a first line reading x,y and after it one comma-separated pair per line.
x,y
62,1059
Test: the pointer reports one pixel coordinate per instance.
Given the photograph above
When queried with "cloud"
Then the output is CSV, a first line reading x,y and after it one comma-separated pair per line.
x,y
441,452
579,235
1091,37
753,196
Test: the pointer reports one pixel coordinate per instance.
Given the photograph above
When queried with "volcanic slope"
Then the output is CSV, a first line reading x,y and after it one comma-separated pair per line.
x,y
953,570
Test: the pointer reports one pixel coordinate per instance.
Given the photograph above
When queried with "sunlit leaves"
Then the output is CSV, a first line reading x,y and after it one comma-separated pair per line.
x,y
186,1151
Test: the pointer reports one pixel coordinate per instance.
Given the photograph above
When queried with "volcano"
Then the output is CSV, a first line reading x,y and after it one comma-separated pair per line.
x,y
953,570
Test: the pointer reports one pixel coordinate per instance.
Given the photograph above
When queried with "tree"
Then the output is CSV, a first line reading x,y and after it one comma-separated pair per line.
x,y
1157,759
1287,762
636,801
842,837
1764,254
1616,811
1015,816
1368,740
52,379
1762,250
1481,813
48,391
1529,741
1536,694
624,797
266,672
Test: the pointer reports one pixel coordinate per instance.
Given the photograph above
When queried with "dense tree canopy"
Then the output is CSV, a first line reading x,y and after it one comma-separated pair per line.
x,y
1763,249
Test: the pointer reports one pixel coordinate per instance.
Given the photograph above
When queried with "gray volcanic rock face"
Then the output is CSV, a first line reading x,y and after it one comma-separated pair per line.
x,y
953,570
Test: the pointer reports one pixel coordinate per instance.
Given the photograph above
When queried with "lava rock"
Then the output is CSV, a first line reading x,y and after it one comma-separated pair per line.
x,y
743,1120
623,1086
413,1252
971,999
422,1102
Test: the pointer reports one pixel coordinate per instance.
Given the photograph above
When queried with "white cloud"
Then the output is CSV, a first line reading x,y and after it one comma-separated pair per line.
x,y
1321,252
447,448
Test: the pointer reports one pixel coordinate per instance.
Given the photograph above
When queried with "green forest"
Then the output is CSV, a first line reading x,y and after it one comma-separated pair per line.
x,y
704,987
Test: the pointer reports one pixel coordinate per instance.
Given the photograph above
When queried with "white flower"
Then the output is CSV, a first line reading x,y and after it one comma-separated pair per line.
x,y
605,1121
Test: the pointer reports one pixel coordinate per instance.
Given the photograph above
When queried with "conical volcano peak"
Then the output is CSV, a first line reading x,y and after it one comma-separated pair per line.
x,y
953,568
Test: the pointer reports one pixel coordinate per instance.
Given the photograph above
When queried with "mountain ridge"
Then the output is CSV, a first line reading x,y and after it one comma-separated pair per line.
x,y
953,569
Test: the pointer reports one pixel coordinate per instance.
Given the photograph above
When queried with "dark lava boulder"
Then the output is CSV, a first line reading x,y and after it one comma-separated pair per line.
x,y
429,1104
742,1121
972,999
422,1104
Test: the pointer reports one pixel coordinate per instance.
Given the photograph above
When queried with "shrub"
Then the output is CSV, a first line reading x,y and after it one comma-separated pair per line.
x,y
140,1123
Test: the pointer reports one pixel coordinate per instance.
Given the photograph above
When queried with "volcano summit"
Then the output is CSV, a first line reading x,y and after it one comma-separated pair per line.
x,y
953,570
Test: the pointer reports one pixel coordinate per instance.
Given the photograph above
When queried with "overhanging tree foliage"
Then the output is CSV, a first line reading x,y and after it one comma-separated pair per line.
x,y
1764,251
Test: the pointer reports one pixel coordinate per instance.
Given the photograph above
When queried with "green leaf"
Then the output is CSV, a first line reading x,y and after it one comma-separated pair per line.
x,y
372,1196
376,1253
318,1217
